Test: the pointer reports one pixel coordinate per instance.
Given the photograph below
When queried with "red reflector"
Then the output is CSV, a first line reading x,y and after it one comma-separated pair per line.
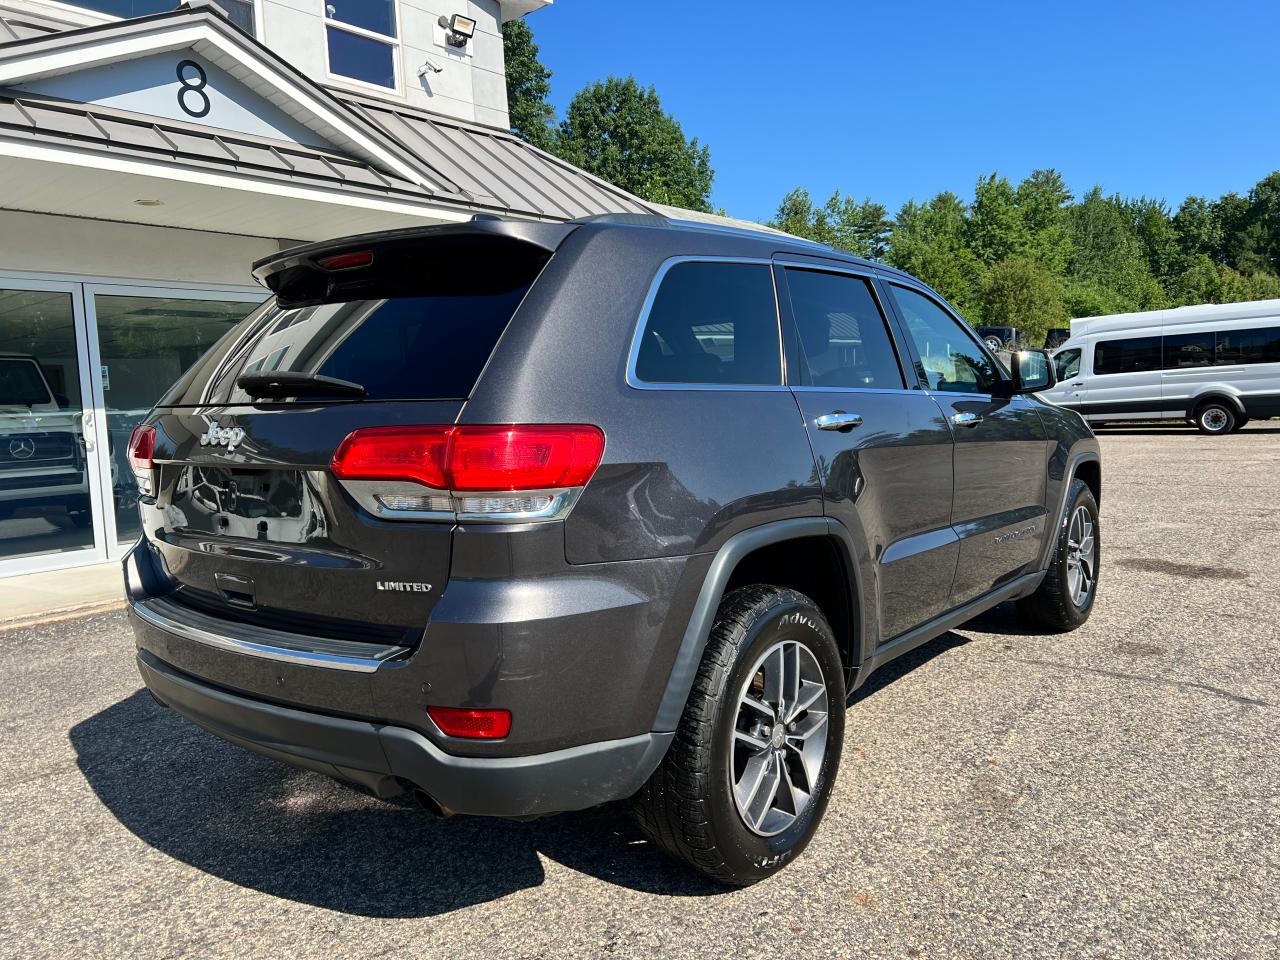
x,y
479,458
142,447
472,724
345,261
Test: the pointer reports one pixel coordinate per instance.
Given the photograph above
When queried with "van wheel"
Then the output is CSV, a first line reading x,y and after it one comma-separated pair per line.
x,y
749,773
1215,418
1065,597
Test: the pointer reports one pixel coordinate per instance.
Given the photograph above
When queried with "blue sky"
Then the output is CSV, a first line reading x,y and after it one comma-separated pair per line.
x,y
895,100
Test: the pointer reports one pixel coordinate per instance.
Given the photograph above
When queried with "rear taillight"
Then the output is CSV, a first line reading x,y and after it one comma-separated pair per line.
x,y
471,724
142,448
521,471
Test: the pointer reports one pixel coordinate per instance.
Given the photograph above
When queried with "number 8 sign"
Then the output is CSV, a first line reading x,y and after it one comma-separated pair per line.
x,y
193,87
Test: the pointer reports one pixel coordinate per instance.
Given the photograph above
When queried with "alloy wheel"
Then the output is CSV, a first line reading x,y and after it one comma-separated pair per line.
x,y
779,738
1082,557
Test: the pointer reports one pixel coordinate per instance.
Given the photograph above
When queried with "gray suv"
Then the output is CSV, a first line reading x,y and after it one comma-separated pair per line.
x,y
520,518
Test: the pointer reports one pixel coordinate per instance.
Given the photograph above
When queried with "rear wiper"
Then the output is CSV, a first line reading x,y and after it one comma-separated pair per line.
x,y
279,384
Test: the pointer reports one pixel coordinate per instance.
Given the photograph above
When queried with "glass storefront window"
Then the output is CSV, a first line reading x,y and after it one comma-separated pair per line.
x,y
145,344
44,465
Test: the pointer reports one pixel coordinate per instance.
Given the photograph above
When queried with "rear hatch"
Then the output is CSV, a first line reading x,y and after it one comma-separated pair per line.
x,y
386,330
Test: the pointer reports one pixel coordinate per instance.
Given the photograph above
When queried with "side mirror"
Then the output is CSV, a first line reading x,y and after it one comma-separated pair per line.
x,y
1033,371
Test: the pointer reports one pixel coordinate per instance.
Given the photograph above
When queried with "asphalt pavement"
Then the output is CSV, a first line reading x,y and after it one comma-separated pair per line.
x,y
1114,792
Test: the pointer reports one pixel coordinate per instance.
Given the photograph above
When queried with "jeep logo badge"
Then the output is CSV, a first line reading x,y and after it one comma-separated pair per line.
x,y
217,436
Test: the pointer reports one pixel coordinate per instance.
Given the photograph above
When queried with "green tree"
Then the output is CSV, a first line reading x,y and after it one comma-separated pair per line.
x,y
1042,201
618,130
528,86
1106,258
1199,229
860,228
929,241
1023,293
996,229
1157,237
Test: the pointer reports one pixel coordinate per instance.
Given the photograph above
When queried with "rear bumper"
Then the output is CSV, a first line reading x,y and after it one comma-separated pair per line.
x,y
384,758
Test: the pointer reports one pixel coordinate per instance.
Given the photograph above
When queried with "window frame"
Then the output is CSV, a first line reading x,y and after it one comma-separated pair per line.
x,y
633,379
793,351
1002,376
396,44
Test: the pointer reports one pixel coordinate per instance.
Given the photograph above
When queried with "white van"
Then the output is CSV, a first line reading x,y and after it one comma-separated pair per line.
x,y
1215,365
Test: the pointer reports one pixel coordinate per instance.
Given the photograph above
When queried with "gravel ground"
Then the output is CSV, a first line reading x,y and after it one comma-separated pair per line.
x,y
1114,792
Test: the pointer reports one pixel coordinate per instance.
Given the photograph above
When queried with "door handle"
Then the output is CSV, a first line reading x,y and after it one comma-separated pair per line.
x,y
838,420
966,419
1078,383
86,431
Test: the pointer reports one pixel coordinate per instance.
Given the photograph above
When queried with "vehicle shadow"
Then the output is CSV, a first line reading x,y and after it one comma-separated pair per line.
x,y
300,836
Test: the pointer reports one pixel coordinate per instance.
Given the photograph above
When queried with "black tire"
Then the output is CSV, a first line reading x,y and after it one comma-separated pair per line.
x,y
1241,422
1051,608
687,808
1215,418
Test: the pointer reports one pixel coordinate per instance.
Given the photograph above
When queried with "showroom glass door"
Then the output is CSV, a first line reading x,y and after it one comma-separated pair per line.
x,y
50,501
145,338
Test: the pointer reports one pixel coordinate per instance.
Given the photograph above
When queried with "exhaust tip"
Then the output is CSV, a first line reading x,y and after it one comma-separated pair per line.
x,y
427,803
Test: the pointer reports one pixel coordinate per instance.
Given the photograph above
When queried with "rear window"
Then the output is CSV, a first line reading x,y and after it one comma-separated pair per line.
x,y
429,347
21,383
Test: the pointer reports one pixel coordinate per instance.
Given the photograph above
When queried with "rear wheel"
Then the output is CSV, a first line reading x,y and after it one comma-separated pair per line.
x,y
1065,597
748,776
1215,418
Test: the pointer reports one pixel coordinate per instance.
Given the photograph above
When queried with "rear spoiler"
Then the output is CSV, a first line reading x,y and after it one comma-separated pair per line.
x,y
440,258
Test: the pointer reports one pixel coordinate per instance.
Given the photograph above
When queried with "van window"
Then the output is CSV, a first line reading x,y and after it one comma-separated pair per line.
x,y
842,332
1135,355
1068,363
950,359
714,323
1259,345
1188,350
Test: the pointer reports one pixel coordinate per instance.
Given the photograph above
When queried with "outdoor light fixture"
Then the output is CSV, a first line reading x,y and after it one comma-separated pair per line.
x,y
458,29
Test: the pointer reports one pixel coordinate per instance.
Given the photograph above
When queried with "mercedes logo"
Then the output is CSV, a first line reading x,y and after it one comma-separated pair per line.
x,y
22,448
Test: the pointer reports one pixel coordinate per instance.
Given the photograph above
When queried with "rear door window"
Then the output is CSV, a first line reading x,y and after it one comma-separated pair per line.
x,y
712,323
843,336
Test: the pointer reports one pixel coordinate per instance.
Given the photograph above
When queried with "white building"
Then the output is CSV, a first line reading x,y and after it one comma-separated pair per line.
x,y
148,155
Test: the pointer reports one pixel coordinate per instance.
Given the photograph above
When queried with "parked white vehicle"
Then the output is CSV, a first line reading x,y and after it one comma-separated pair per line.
x,y
1215,365
41,459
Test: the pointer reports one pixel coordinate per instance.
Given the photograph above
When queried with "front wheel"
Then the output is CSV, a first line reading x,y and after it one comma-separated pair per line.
x,y
1065,597
747,779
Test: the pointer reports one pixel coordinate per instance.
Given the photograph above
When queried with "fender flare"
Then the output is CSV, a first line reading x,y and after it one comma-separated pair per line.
x,y
1215,393
1083,456
694,642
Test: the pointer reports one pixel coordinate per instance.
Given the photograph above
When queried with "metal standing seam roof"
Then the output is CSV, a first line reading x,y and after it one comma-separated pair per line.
x,y
23,26
494,167
48,120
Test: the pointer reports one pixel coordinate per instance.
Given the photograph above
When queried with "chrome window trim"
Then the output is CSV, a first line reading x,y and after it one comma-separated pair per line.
x,y
637,334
